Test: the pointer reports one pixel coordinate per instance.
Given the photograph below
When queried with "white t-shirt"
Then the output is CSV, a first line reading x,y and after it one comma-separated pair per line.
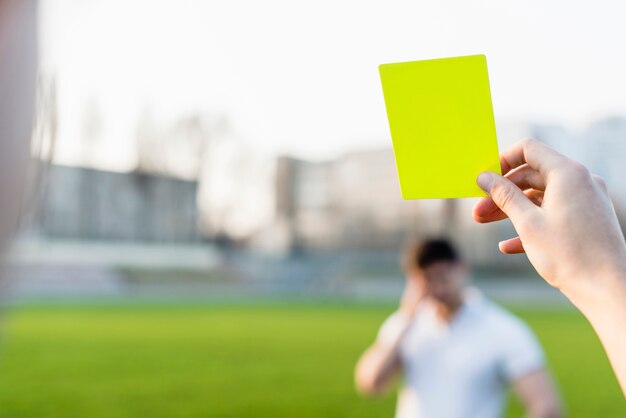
x,y
461,369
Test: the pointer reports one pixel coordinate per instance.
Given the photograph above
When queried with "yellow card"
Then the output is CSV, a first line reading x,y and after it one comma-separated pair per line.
x,y
442,125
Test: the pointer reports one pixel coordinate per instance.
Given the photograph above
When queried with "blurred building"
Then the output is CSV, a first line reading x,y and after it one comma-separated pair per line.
x,y
354,202
599,147
221,187
88,204
605,143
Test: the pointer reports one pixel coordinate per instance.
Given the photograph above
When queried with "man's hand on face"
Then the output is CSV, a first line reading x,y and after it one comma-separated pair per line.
x,y
414,293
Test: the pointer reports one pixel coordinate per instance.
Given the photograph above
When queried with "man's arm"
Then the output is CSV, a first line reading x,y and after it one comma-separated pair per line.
x,y
381,362
377,368
572,238
538,395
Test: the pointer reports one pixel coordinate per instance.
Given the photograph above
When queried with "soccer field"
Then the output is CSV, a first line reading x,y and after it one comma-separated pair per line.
x,y
282,359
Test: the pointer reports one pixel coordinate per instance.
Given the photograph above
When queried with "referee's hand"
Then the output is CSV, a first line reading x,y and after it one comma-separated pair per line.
x,y
563,214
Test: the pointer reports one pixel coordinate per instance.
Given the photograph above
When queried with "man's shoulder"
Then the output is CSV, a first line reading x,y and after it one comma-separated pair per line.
x,y
501,318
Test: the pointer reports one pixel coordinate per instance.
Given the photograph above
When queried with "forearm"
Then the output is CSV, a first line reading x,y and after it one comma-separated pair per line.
x,y
539,395
380,363
376,369
546,408
605,308
547,412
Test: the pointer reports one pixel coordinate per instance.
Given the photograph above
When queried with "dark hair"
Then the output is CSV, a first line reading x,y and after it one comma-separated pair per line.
x,y
421,254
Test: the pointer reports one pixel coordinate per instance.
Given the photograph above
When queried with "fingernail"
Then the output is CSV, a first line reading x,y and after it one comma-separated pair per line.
x,y
485,181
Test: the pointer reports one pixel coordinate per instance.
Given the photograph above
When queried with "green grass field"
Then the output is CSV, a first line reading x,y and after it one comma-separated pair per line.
x,y
284,359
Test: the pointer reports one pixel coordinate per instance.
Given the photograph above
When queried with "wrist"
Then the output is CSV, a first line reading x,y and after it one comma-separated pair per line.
x,y
600,295
405,317
408,307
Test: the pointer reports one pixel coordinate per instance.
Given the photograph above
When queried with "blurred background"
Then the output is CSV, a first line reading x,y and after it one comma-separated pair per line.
x,y
215,222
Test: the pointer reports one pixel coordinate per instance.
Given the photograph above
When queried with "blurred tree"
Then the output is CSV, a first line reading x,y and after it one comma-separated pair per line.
x,y
449,224
177,150
91,131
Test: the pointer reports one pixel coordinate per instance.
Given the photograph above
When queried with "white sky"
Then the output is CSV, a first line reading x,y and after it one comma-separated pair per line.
x,y
301,77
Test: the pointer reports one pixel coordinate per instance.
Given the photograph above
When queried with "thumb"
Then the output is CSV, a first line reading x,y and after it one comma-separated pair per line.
x,y
506,195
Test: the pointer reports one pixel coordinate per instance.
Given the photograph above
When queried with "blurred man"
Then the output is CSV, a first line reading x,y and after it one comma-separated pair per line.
x,y
459,352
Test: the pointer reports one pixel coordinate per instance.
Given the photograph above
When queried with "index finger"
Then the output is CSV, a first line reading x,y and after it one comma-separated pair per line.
x,y
534,153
